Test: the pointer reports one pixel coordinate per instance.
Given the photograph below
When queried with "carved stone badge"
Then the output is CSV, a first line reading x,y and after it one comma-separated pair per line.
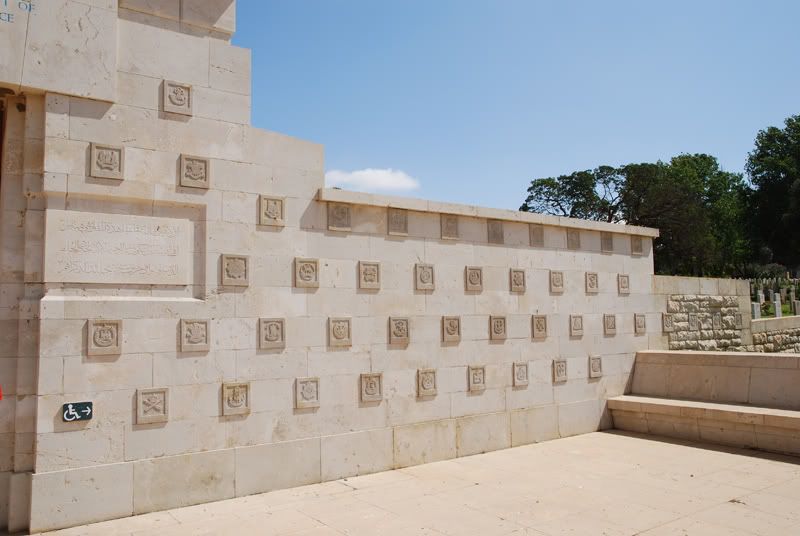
x,y
195,172
556,282
104,337
271,333
369,275
426,382
497,328
398,222
372,387
107,161
339,332
575,325
271,211
235,398
235,270
306,273
177,98
152,405
194,336
451,328
520,374
539,325
306,393
424,277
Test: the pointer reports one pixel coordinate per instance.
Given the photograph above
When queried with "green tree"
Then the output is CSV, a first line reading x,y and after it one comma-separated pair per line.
x,y
589,195
774,170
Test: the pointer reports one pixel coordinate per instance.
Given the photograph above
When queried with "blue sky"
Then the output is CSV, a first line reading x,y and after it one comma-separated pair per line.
x,y
468,100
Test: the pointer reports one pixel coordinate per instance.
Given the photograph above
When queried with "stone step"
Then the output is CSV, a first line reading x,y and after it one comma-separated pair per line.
x,y
738,425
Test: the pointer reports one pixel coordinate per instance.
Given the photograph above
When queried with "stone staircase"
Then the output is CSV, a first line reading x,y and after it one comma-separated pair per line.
x,y
749,400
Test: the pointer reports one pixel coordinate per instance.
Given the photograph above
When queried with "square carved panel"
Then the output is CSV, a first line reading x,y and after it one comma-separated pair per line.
x,y
271,211
235,398
694,322
520,374
595,366
177,98
369,275
517,280
476,379
339,333
424,277
495,231
271,333
639,323
339,217
539,326
399,330
449,225
306,393
607,242
573,239
306,273
473,279
497,328
195,335
235,271
536,235
372,387
623,283
397,222
738,321
152,405
451,329
195,172
104,337
667,323
716,321
592,283
636,245
426,382
556,282
610,324
107,161
575,325
559,370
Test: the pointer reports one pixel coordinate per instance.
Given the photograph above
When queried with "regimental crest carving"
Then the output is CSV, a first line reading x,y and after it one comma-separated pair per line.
x,y
306,393
107,161
573,239
339,216
623,283
520,374
536,234
271,333
371,387
339,332
639,324
369,275
104,337
694,322
539,326
636,245
177,98
195,335
667,323
152,405
195,172
235,270
607,242
610,324
716,321
517,277
399,331
473,279
424,277
495,231
592,283
306,273
575,325
426,382
476,379
235,398
497,328
449,224
556,282
397,222
271,211
595,366
451,329
559,371
738,322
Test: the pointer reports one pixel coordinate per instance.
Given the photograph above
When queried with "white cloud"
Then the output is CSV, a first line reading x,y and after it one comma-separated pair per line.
x,y
372,180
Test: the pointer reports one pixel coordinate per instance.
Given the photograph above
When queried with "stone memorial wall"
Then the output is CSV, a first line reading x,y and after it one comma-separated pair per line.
x,y
189,315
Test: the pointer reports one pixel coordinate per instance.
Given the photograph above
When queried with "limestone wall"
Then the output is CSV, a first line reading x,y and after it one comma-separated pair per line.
x,y
777,334
704,313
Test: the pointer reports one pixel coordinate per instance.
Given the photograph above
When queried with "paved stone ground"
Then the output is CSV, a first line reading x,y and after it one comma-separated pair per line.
x,y
595,484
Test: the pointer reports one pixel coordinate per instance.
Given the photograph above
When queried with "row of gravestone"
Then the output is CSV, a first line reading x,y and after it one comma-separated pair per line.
x,y
235,272
152,404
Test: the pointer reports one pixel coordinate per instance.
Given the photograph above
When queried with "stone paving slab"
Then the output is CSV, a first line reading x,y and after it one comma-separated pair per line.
x,y
595,484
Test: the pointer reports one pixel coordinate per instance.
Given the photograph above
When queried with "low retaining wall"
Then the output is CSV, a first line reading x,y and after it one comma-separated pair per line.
x,y
776,334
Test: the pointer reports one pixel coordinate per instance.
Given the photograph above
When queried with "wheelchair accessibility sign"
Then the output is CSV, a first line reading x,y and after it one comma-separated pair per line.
x,y
77,411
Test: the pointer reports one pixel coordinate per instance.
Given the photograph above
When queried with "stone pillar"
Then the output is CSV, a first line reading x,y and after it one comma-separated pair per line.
x,y
796,304
755,310
760,297
777,301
